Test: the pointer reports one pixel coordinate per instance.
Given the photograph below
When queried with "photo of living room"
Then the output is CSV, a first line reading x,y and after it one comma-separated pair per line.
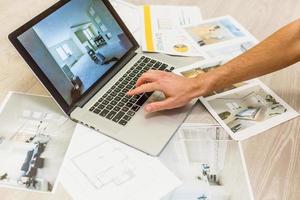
x,y
34,137
246,108
77,45
202,156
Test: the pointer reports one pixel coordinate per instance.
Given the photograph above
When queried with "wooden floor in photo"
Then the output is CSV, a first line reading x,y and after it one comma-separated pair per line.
x,y
272,158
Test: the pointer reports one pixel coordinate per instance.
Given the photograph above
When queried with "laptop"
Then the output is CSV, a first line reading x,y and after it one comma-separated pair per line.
x,y
87,59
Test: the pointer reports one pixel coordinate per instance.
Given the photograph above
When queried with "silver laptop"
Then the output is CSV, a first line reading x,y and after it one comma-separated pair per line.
x,y
87,59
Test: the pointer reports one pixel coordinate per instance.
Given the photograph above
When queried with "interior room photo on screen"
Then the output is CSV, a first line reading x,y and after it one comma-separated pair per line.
x,y
76,45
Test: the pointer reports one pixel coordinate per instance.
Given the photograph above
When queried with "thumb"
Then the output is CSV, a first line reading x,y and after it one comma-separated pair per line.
x,y
160,105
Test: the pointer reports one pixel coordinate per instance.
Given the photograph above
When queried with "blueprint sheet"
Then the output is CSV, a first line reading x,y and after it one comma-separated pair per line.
x,y
98,167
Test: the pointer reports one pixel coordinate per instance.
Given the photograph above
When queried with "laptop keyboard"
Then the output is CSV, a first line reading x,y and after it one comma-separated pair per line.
x,y
115,105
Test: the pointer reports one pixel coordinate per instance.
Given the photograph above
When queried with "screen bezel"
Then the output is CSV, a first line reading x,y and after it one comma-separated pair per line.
x,y
13,37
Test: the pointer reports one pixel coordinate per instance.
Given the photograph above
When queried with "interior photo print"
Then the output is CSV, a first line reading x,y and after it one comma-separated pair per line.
x,y
209,172
246,108
195,71
76,45
34,138
214,31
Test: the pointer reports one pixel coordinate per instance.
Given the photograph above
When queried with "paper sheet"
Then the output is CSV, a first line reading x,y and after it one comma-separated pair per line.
x,y
98,167
161,33
129,13
248,110
34,138
196,166
243,109
220,38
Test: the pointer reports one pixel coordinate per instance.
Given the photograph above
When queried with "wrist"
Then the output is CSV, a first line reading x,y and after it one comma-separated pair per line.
x,y
206,83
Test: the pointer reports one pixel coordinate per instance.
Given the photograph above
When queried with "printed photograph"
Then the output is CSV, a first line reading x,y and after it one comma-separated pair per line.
x,y
192,73
230,51
76,46
34,137
208,162
214,32
246,108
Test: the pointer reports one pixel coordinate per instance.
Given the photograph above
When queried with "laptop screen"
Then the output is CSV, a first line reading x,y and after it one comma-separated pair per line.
x,y
76,45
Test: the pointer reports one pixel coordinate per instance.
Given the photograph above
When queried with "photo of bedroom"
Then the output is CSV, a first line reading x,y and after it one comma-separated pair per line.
x,y
34,137
246,108
77,45
192,73
208,162
214,31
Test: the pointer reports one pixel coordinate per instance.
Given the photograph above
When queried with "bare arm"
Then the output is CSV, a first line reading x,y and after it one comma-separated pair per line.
x,y
276,52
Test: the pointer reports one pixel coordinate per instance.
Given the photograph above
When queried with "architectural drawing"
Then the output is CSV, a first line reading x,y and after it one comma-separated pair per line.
x,y
109,165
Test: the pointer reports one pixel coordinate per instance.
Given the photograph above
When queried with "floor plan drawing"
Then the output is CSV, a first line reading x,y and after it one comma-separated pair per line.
x,y
114,168
98,167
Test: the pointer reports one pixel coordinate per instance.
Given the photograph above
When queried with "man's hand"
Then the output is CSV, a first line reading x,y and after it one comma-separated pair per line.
x,y
178,90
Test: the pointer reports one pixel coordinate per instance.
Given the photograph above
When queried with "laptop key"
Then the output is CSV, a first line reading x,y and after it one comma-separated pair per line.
x,y
132,100
152,61
118,116
121,86
117,90
121,104
146,60
129,104
117,98
121,94
111,114
130,113
142,100
124,100
101,106
109,107
135,108
125,82
105,102
104,113
113,102
125,90
125,109
117,108
92,108
156,66
123,122
109,98
163,67
100,100
96,111
114,93
127,117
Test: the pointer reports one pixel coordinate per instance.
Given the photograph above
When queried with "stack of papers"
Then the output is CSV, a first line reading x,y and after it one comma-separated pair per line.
x,y
161,29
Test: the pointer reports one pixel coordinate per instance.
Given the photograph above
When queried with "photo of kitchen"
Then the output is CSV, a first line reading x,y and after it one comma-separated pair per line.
x,y
34,137
246,108
77,45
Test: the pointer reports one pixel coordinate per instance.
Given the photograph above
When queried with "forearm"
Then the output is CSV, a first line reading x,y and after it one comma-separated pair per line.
x,y
274,53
